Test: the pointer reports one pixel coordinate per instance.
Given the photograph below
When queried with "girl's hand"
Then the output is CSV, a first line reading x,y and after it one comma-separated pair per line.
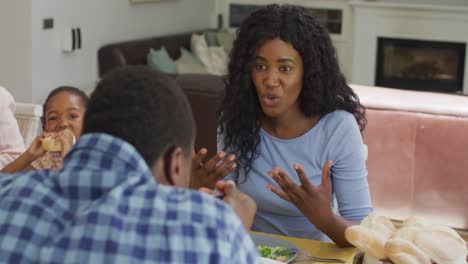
x,y
36,150
67,138
205,174
312,201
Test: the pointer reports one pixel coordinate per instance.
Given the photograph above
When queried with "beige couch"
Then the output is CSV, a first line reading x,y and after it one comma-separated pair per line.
x,y
418,154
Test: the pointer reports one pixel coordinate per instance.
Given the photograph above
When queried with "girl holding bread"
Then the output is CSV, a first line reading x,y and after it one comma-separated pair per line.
x,y
294,125
62,120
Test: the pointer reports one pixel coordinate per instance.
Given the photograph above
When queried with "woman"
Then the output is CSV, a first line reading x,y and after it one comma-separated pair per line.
x,y
294,125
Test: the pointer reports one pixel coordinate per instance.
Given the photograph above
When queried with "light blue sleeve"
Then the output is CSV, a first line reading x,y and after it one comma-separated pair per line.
x,y
349,173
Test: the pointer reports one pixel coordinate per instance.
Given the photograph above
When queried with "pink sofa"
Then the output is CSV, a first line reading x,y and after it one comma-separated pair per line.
x,y
417,154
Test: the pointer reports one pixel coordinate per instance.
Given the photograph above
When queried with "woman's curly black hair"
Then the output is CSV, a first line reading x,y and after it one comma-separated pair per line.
x,y
324,86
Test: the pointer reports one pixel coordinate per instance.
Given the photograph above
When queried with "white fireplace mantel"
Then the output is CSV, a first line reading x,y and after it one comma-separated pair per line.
x,y
411,6
399,20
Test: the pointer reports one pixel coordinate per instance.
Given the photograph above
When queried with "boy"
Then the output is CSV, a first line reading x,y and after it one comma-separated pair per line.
x,y
110,202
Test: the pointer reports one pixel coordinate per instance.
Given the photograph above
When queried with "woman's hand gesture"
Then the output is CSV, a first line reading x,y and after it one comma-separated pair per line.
x,y
205,174
312,201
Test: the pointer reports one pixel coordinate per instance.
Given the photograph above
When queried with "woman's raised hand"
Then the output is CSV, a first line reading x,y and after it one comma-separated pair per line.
x,y
312,201
205,174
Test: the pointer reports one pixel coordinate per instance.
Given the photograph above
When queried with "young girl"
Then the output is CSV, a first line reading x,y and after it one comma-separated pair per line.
x,y
62,118
294,125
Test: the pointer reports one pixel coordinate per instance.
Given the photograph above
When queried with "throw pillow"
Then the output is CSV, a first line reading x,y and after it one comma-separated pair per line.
x,y
226,39
211,38
213,58
218,61
199,47
185,66
189,56
187,63
160,60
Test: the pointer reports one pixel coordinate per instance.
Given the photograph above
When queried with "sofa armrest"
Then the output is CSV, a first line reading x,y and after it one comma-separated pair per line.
x,y
418,153
412,101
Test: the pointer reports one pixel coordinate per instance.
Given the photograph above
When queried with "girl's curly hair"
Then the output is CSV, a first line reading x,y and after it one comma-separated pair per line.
x,y
324,86
69,89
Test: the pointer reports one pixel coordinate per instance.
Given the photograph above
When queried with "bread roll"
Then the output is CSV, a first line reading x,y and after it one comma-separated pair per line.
x,y
407,233
52,144
379,224
441,244
402,251
414,221
368,241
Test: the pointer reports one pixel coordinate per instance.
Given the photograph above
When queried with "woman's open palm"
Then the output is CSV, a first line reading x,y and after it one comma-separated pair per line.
x,y
206,174
312,201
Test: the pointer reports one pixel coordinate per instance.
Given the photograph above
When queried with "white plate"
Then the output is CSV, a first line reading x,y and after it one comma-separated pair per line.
x,y
370,260
270,261
270,241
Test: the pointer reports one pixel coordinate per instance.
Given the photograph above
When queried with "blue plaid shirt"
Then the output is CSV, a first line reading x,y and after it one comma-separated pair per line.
x,y
104,206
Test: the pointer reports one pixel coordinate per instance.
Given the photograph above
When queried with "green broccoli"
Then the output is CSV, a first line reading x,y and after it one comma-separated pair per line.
x,y
275,253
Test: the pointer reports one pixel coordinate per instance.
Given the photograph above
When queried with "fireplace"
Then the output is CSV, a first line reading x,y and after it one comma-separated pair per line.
x,y
420,65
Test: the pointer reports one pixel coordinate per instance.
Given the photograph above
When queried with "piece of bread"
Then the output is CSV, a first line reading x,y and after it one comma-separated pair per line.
x,y
414,221
413,243
370,242
442,244
52,144
379,224
402,251
407,233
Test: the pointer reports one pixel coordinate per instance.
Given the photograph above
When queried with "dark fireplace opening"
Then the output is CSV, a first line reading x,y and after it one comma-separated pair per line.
x,y
420,65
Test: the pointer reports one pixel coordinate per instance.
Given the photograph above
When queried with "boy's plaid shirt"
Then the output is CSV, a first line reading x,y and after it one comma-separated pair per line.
x,y
104,206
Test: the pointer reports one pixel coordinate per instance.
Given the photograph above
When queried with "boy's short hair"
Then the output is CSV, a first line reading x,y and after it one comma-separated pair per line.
x,y
144,107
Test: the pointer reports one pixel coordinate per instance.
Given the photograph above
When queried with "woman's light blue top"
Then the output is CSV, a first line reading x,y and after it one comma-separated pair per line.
x,y
335,137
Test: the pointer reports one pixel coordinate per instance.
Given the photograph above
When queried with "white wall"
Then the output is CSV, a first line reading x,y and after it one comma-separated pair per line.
x,y
15,48
101,22
435,2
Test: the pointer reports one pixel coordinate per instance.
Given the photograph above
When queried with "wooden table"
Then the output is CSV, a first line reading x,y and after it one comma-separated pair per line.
x,y
319,248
